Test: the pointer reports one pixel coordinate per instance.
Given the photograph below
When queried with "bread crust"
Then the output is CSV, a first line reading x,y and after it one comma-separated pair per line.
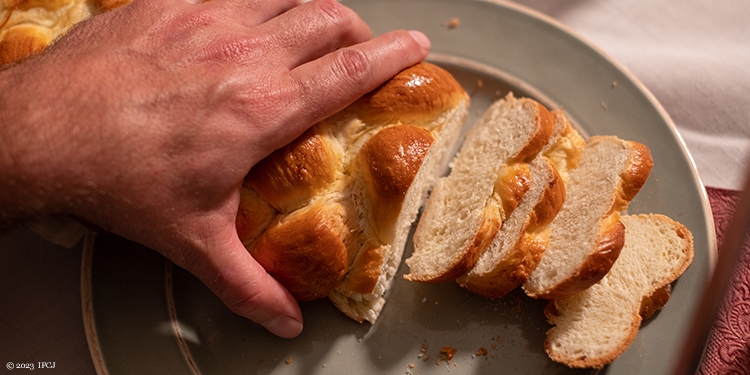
x,y
388,162
28,27
290,250
634,175
22,41
513,269
487,222
644,298
293,175
597,263
415,96
606,246
539,139
254,215
343,188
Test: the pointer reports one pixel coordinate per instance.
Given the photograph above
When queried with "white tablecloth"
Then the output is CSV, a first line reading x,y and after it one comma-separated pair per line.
x,y
693,55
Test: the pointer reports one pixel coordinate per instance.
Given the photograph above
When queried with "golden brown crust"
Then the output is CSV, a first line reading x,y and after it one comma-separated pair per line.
x,y
634,176
539,139
514,269
253,216
355,172
655,301
389,161
416,96
22,41
661,293
292,175
306,251
583,361
364,272
597,264
549,204
491,222
513,181
31,31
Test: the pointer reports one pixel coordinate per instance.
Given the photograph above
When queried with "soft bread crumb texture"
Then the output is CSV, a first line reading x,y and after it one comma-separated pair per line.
x,y
586,235
520,244
464,212
595,326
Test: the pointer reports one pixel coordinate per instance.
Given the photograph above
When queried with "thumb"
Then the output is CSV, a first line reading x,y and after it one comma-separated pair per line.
x,y
247,289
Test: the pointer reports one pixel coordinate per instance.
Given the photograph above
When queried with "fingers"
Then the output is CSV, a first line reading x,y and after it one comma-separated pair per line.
x,y
315,29
245,287
346,74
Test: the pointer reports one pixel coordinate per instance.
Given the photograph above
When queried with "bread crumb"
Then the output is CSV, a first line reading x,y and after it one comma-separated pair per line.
x,y
482,351
480,83
288,360
604,105
447,353
411,365
494,346
454,23
426,358
424,299
324,365
614,84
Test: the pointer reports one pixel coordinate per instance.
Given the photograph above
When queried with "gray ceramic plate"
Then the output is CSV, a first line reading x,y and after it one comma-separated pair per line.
x,y
144,316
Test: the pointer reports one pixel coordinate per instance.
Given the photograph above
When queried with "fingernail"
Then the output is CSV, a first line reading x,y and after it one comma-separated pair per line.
x,y
284,326
422,39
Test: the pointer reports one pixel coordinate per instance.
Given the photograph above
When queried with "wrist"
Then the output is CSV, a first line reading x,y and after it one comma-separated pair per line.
x,y
30,167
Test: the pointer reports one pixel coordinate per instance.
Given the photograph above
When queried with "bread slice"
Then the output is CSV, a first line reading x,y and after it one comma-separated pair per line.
x,y
519,245
394,172
488,177
586,236
328,214
595,326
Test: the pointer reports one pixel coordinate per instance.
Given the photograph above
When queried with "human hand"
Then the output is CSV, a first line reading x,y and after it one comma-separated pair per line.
x,y
145,120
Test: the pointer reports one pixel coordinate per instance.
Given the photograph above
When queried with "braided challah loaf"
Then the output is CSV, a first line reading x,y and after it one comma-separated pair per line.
x,y
329,214
29,26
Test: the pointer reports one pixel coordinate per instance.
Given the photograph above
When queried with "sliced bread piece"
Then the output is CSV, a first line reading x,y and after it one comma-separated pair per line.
x,y
595,326
519,245
488,176
586,236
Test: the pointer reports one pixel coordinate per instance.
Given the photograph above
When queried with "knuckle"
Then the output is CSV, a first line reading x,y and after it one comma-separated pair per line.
x,y
245,304
235,49
352,65
334,11
336,15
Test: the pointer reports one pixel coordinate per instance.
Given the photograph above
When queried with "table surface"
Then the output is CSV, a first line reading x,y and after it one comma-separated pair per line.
x,y
693,55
